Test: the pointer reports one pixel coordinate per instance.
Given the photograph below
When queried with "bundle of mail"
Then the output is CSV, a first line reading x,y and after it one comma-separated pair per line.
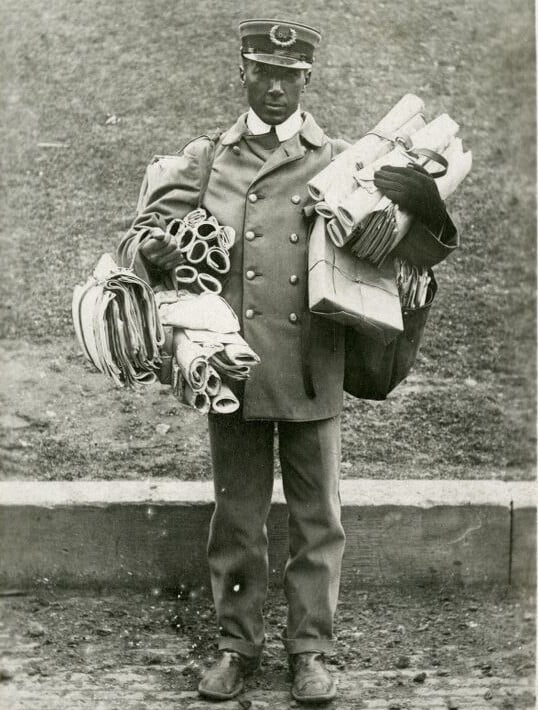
x,y
204,346
131,334
413,282
205,246
344,192
118,325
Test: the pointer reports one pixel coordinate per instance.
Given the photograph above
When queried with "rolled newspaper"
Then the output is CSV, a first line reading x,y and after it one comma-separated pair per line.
x,y
207,230
339,173
192,361
218,260
225,402
186,274
197,253
208,283
435,136
214,382
226,237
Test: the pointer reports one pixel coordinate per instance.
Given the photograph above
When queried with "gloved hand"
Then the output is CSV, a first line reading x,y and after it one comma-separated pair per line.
x,y
414,190
161,250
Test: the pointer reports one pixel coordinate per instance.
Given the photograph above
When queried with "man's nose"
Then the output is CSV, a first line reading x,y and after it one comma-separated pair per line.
x,y
275,87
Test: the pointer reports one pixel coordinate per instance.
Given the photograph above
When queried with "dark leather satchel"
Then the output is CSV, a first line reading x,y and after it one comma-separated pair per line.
x,y
373,369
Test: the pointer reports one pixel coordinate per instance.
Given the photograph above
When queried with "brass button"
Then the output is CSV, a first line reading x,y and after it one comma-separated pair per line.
x,y
249,236
249,313
294,238
296,199
294,279
250,274
253,197
293,317
236,149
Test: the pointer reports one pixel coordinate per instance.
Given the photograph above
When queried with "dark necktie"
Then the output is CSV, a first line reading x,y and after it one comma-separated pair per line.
x,y
269,141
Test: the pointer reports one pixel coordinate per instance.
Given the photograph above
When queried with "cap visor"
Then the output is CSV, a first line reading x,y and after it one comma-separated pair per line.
x,y
278,60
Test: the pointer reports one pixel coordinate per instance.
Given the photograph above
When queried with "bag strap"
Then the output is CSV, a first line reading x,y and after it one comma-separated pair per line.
x,y
213,140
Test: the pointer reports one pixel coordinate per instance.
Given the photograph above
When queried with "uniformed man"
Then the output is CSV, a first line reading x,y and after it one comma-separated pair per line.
x,y
258,171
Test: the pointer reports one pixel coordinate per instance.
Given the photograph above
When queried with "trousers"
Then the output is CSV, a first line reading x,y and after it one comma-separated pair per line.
x,y
243,468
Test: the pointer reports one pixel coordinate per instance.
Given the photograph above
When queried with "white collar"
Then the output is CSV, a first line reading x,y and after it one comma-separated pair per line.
x,y
285,130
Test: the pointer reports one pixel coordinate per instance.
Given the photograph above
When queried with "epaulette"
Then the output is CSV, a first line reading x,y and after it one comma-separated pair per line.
x,y
212,138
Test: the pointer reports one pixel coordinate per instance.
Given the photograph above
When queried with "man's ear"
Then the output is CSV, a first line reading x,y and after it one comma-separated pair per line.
x,y
307,76
242,74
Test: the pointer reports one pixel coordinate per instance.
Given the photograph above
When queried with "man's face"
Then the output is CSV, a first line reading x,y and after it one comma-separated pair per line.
x,y
273,92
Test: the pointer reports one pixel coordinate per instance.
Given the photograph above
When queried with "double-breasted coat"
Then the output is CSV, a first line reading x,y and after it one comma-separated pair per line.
x,y
264,201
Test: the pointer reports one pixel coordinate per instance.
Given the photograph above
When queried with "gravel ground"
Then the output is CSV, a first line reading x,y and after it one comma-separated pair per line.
x,y
397,649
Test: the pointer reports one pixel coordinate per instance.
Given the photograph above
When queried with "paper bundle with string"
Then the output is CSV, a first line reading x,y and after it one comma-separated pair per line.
x,y
205,347
357,212
205,246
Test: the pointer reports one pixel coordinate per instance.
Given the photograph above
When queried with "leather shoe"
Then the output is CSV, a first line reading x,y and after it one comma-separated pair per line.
x,y
225,678
312,682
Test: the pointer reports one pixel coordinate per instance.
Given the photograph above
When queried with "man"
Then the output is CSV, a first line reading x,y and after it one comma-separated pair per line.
x,y
258,171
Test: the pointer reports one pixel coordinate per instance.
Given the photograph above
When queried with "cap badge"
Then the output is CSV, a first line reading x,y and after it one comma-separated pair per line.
x,y
282,36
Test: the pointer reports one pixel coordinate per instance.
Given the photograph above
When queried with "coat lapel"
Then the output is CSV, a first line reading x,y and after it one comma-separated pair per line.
x,y
289,151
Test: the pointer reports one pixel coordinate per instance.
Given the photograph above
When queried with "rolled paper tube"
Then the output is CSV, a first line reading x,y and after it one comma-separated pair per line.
x,y
225,402
218,260
186,240
206,282
191,360
197,400
207,231
369,147
323,209
186,274
195,216
197,253
226,237
214,383
175,229
235,372
436,136
336,233
240,354
344,183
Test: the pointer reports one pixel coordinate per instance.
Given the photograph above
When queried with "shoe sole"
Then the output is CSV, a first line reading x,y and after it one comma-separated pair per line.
x,y
314,698
213,695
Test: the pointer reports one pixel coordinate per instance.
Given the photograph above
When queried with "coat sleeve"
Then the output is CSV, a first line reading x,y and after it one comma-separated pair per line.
x,y
422,247
170,189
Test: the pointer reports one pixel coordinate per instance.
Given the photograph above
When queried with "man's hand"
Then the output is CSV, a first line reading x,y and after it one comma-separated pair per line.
x,y
414,190
161,250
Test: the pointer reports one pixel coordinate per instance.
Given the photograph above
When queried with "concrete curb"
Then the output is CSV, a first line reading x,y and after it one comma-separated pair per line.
x,y
147,533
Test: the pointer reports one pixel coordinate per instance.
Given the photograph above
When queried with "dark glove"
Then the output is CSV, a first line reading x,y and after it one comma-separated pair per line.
x,y
414,190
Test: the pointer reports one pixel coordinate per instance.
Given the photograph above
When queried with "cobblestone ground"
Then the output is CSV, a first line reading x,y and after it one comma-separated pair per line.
x,y
427,649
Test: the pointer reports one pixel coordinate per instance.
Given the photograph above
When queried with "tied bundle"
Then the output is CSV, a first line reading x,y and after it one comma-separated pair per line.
x,y
345,194
205,246
205,349
117,324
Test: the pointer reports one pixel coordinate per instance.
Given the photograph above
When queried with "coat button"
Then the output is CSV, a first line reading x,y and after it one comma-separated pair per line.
x,y
294,238
296,199
294,279
236,149
249,236
249,313
250,274
293,317
253,197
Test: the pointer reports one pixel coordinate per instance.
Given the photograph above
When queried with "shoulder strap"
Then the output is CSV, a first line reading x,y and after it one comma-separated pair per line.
x,y
213,140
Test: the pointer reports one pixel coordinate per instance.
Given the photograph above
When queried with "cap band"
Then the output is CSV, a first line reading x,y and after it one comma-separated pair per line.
x,y
261,44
